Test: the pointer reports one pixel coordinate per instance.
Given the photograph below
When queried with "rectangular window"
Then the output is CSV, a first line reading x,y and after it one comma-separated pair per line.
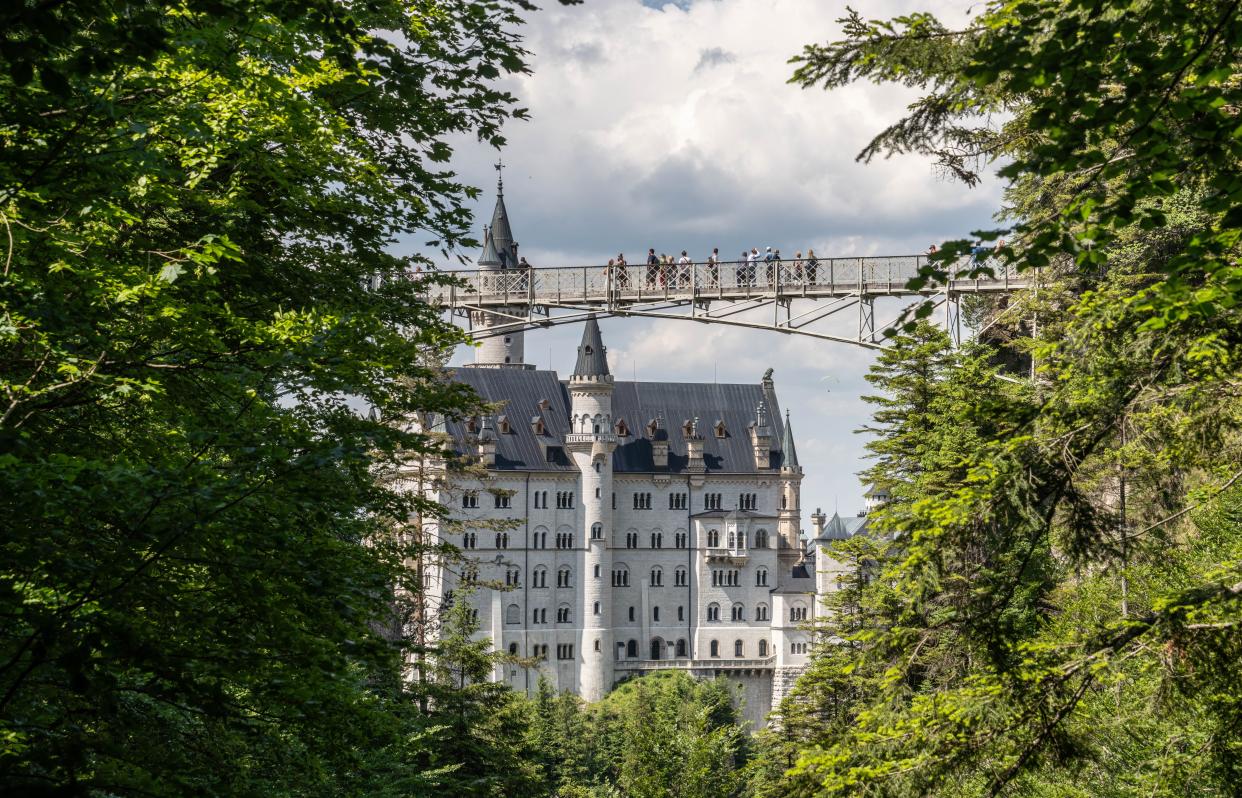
x,y
564,651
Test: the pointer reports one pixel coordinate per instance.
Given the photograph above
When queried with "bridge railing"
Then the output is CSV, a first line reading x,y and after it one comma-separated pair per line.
x,y
567,284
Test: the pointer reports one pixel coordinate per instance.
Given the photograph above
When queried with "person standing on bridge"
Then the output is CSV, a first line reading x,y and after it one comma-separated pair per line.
x,y
812,267
713,267
768,259
797,266
526,274
684,265
752,265
653,267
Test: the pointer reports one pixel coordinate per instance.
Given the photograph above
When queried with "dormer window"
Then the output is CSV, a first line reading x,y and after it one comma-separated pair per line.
x,y
721,432
622,430
544,404
472,424
502,425
536,424
651,428
687,428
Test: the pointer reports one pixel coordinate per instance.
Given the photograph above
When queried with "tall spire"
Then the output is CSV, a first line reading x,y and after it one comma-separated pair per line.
x,y
788,452
592,355
502,234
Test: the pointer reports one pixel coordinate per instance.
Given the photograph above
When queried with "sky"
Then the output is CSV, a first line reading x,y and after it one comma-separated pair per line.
x,y
673,126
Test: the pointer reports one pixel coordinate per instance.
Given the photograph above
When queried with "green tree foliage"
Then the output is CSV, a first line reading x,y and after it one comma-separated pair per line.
x,y
482,726
201,537
1052,604
664,735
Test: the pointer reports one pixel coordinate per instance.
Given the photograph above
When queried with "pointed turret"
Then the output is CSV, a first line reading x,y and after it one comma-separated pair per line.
x,y
789,455
489,258
592,355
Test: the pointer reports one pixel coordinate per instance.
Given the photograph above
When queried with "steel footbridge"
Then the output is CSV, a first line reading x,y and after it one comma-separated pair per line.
x,y
754,294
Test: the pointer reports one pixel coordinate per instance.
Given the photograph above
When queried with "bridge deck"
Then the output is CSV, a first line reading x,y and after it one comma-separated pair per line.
x,y
731,281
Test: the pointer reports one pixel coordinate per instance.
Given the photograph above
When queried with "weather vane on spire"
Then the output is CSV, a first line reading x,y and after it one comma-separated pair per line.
x,y
500,177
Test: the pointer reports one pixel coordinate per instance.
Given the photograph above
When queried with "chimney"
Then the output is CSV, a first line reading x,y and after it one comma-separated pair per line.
x,y
659,442
818,522
694,449
761,437
487,443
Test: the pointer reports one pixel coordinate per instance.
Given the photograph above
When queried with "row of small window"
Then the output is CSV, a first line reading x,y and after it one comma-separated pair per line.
x,y
540,651
642,501
737,612
721,577
564,540
504,501
564,499
629,649
539,615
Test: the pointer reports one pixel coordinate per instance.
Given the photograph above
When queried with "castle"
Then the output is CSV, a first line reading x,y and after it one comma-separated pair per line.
x,y
617,528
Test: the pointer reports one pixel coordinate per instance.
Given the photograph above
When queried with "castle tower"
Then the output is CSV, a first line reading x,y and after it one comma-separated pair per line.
x,y
591,442
789,518
500,256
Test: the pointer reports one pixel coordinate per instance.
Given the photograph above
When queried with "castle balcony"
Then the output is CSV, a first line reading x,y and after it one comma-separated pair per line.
x,y
702,666
732,555
591,437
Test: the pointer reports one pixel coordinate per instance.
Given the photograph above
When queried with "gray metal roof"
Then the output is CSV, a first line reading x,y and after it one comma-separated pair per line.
x,y
592,355
839,528
635,402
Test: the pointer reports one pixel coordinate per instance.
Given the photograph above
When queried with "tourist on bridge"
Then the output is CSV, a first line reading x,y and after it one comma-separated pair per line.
x,y
653,267
684,264
797,266
713,267
752,265
812,267
767,261
525,277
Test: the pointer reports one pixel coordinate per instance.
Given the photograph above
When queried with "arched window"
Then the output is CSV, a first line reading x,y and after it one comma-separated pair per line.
x,y
596,571
713,611
657,540
679,577
797,612
761,539
540,577
597,641
761,612
763,648
739,612
681,647
657,577
562,614
513,614
657,648
620,576
631,649
562,577
761,577
715,648
513,649
595,608
713,538
597,531
737,648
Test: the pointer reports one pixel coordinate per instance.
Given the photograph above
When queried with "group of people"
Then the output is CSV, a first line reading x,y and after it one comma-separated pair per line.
x,y
667,271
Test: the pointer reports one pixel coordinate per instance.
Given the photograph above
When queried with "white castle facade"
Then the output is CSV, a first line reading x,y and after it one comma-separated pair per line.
x,y
617,528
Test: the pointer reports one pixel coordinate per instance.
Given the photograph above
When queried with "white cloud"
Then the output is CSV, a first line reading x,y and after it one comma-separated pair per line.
x,y
674,127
